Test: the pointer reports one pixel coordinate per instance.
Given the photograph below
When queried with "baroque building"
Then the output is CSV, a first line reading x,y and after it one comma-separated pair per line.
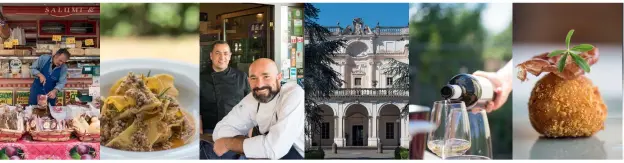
x,y
366,110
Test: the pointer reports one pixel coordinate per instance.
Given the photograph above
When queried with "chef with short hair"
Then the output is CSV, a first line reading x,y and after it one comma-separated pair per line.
x,y
275,112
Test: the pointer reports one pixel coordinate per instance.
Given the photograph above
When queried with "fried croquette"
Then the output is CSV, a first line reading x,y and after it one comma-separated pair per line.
x,y
566,108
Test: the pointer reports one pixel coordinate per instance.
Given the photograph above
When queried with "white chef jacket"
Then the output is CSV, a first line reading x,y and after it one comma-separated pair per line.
x,y
285,131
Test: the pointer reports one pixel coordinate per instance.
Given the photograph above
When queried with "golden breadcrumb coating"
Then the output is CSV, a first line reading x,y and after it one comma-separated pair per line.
x,y
566,108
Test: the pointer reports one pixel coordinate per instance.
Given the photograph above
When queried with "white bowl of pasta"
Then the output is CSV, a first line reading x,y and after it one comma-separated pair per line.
x,y
151,109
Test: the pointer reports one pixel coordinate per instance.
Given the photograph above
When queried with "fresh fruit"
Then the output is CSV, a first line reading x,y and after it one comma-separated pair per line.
x,y
15,158
74,155
86,157
3,156
10,151
82,149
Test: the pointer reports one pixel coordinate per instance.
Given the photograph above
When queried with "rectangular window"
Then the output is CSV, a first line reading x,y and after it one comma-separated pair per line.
x,y
389,130
390,46
325,130
358,81
389,81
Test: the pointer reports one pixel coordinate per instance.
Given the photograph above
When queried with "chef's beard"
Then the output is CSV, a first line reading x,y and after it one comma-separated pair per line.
x,y
265,98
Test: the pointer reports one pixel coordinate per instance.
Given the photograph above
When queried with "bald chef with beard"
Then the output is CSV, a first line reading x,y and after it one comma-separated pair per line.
x,y
273,113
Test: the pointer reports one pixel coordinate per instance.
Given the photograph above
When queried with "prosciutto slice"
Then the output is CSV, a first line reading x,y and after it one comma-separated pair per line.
x,y
542,63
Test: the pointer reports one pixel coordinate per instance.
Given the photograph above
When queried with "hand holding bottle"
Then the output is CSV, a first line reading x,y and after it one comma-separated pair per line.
x,y
501,81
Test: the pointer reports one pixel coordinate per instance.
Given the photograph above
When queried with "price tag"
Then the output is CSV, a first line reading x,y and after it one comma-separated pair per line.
x,y
22,97
8,44
89,42
6,97
15,42
70,40
56,37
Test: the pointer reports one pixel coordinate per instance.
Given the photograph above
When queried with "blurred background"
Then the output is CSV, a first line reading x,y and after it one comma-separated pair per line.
x,y
153,30
448,39
550,22
540,28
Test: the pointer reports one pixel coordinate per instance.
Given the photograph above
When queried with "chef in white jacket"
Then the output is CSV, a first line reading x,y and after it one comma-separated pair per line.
x,y
275,111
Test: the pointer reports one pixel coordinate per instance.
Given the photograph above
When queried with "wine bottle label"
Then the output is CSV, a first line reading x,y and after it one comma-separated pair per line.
x,y
487,88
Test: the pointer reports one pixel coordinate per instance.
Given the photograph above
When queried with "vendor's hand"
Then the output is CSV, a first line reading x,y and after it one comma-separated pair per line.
x,y
501,89
220,146
52,94
42,78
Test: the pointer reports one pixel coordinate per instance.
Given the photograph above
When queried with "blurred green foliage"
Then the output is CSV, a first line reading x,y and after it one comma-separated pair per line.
x,y
499,46
448,39
148,19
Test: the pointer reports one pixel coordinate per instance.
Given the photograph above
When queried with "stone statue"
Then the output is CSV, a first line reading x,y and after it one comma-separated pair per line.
x,y
358,24
357,27
368,31
347,30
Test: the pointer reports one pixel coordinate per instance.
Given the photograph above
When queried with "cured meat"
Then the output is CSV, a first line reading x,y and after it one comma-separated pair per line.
x,y
542,63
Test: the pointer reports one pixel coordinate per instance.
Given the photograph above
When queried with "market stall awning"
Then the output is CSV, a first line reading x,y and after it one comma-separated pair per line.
x,y
54,11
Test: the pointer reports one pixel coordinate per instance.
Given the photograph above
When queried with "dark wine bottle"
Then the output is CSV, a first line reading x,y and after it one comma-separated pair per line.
x,y
468,88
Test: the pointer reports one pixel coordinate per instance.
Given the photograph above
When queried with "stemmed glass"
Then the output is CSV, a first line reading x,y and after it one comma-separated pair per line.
x,y
451,136
481,141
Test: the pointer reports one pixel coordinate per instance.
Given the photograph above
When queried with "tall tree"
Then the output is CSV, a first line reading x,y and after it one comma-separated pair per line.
x,y
400,71
320,79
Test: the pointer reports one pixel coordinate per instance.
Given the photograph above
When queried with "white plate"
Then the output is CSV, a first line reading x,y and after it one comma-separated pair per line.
x,y
186,81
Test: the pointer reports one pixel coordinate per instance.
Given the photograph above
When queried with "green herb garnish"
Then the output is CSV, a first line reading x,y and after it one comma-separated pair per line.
x,y
163,92
573,52
148,73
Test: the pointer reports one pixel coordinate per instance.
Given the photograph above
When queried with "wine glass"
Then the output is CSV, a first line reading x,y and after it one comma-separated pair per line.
x,y
419,127
481,141
451,136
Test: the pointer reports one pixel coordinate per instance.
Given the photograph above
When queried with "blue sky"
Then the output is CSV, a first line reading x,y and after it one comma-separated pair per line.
x,y
388,14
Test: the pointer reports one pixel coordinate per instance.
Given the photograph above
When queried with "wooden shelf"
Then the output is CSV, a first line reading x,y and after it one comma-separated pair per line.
x,y
34,29
25,82
76,36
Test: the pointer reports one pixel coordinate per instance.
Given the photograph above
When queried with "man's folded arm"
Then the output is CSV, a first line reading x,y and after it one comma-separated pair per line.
x,y
283,134
236,122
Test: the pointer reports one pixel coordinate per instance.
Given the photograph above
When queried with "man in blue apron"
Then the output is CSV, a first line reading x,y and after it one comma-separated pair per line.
x,y
273,113
50,76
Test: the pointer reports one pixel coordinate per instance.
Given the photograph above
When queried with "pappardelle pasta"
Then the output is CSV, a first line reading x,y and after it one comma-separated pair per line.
x,y
143,114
